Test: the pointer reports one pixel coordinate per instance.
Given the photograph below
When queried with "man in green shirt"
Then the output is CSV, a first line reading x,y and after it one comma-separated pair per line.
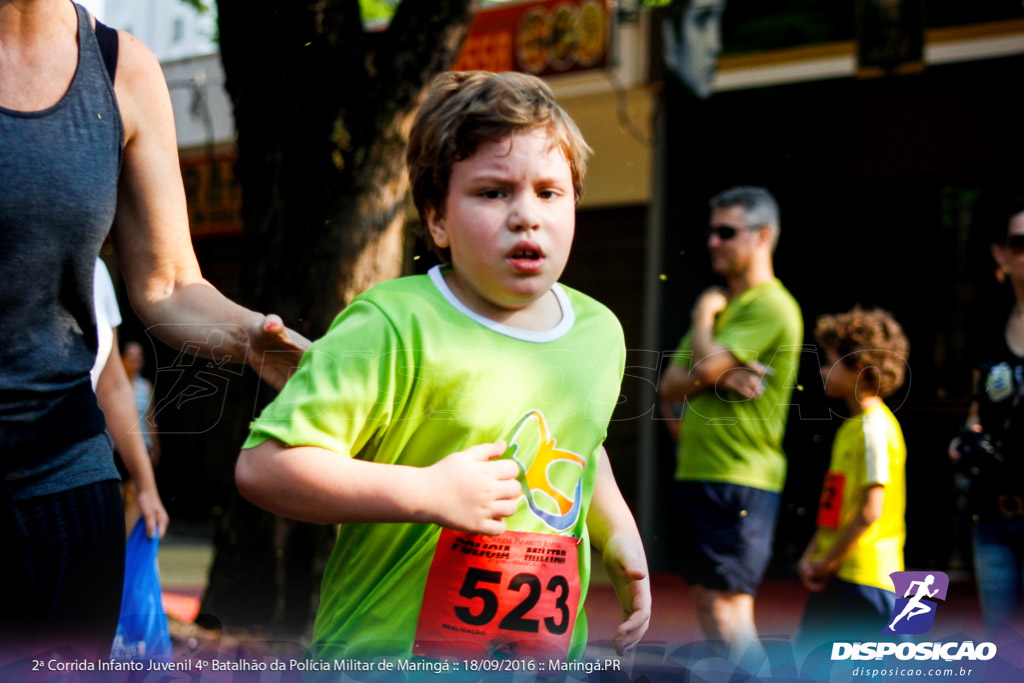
x,y
735,370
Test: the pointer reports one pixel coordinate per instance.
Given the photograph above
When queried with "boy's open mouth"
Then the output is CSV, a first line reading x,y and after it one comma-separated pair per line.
x,y
526,257
526,250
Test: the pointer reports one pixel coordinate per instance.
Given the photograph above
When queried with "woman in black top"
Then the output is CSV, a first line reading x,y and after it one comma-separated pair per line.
x,y
83,153
991,451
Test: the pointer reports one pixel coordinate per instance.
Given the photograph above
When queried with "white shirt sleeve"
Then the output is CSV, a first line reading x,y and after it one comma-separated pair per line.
x,y
876,447
108,316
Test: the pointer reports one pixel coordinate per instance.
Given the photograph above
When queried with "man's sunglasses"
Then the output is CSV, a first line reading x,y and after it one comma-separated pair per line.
x,y
726,232
1015,242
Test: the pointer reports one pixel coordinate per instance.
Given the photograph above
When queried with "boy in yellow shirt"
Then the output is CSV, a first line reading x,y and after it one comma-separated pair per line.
x,y
861,529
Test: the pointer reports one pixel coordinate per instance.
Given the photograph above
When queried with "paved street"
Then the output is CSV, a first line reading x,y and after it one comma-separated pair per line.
x,y
185,560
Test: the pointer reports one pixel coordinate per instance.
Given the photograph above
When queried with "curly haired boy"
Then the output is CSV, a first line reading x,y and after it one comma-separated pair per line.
x,y
861,531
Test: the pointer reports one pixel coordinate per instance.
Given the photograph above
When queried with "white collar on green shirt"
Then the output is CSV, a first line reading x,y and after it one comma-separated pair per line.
x,y
536,336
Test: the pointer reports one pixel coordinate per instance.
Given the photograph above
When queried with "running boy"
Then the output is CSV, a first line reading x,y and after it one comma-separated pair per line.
x,y
861,530
466,408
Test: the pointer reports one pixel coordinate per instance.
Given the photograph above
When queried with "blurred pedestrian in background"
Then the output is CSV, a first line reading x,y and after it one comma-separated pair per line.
x,y
134,358
138,484
735,369
86,132
990,449
861,528
115,396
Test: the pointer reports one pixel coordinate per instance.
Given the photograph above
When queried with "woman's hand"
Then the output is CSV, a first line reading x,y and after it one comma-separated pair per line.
x,y
275,350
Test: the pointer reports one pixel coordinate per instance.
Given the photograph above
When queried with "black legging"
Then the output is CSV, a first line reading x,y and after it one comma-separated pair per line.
x,y
63,581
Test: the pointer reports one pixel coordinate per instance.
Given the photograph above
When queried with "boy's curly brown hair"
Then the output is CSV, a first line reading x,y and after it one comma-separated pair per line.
x,y
869,340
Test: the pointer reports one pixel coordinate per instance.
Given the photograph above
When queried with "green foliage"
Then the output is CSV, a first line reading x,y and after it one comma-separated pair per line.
x,y
200,6
378,10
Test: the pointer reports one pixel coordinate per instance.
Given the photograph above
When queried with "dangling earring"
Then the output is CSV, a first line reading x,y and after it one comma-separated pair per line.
x,y
1000,275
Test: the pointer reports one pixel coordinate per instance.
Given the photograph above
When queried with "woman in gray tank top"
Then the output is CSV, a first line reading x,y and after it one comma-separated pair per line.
x,y
81,155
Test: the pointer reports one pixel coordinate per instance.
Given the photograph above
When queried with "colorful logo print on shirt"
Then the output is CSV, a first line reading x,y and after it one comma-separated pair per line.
x,y
914,613
552,479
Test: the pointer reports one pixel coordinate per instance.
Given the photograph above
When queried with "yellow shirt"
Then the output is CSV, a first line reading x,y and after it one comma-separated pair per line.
x,y
868,450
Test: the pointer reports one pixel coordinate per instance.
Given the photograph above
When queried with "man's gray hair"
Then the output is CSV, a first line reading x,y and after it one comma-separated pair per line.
x,y
759,207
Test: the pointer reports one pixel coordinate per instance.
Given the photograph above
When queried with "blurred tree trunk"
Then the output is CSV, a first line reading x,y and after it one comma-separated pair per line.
x,y
322,109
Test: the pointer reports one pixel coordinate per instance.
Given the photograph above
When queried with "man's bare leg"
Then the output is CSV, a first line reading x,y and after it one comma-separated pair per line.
x,y
729,616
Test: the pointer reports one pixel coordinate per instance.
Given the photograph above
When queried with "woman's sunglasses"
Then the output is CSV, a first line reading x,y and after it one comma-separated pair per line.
x,y
1014,243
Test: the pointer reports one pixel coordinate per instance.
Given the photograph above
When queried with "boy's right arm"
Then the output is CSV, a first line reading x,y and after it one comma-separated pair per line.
x,y
806,570
614,533
868,512
468,490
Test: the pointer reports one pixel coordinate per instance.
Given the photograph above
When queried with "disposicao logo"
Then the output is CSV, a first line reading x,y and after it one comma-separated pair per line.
x,y
914,613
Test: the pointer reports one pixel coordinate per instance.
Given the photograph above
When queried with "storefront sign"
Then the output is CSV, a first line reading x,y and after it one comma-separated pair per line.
x,y
543,38
213,194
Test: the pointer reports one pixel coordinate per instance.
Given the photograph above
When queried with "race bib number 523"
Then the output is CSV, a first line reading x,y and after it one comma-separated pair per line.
x,y
493,597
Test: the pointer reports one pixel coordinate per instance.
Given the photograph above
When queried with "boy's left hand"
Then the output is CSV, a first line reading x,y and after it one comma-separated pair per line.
x,y
627,570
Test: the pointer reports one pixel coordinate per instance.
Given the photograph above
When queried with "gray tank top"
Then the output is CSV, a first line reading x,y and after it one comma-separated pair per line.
x,y
58,193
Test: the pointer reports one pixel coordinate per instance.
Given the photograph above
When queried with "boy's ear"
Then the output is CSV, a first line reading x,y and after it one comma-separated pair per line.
x,y
435,223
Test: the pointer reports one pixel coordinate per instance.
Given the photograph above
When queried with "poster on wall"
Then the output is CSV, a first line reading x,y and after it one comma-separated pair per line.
x,y
543,38
890,37
691,43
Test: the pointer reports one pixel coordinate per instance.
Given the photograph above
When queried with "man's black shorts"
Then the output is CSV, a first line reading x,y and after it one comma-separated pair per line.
x,y
725,534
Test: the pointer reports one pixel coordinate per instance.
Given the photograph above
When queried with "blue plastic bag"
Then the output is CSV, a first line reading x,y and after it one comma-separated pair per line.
x,y
142,632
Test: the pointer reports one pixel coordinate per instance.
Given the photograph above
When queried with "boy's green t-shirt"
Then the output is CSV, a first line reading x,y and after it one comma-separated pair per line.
x,y
727,438
407,375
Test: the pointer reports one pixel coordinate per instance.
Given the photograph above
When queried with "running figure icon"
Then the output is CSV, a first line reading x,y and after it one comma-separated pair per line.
x,y
914,606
